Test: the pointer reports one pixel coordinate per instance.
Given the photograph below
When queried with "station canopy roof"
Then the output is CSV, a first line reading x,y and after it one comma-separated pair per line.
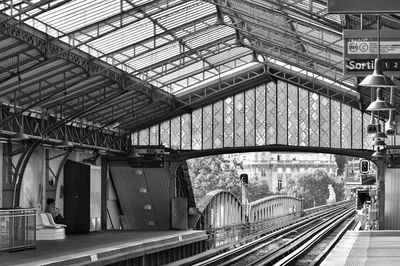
x,y
128,64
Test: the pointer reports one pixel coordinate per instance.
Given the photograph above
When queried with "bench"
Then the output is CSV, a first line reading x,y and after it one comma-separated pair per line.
x,y
47,229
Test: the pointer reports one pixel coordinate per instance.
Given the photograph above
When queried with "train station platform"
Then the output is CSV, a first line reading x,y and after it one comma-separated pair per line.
x,y
369,248
102,248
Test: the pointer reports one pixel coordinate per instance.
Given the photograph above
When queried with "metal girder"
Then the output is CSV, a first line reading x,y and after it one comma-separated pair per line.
x,y
313,11
295,39
276,9
93,68
127,109
286,54
223,44
54,174
182,43
215,66
124,18
38,128
300,32
43,93
144,48
22,12
30,78
249,13
181,61
79,90
20,169
227,87
316,86
55,49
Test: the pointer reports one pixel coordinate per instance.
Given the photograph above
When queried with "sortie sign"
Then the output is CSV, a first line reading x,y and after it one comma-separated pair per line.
x,y
361,49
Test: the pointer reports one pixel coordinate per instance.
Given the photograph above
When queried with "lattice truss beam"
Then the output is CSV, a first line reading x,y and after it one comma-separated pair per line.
x,y
84,135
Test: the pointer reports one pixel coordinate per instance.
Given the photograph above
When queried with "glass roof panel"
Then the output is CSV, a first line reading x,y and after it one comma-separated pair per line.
x,y
157,55
208,36
125,36
135,35
79,13
190,11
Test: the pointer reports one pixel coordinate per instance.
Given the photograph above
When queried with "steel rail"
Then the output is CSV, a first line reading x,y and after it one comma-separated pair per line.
x,y
318,260
300,245
235,254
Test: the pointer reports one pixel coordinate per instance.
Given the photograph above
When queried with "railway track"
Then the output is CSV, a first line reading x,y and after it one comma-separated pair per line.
x,y
287,245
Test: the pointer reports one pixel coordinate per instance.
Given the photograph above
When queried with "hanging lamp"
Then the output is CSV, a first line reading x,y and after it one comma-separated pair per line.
x,y
380,104
377,78
390,126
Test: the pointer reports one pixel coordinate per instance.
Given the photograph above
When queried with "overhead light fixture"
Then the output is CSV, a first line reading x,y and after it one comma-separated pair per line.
x,y
380,104
390,125
378,143
377,78
379,134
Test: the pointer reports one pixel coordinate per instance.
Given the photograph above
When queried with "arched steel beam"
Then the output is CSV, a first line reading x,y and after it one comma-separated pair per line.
x,y
23,160
20,169
61,165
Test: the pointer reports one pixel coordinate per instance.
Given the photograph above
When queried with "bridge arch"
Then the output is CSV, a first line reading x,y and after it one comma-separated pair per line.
x,y
220,208
273,206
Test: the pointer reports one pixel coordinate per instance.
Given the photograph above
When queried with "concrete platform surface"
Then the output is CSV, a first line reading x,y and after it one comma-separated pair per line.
x,y
86,248
371,248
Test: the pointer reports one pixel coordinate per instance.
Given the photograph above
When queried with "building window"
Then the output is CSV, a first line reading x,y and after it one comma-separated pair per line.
x,y
263,172
279,184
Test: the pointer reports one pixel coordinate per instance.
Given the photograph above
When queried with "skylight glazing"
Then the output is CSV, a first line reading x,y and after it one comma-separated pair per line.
x,y
177,43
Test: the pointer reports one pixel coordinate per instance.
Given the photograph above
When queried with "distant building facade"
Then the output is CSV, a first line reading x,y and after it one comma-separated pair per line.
x,y
278,168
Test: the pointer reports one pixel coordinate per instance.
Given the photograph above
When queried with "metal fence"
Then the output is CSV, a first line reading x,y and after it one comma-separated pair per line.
x,y
17,229
234,234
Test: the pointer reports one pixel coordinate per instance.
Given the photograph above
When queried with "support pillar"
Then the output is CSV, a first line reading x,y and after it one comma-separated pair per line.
x,y
380,185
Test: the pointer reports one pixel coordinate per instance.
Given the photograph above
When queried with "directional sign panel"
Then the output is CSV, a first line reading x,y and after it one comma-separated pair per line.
x,y
361,50
363,6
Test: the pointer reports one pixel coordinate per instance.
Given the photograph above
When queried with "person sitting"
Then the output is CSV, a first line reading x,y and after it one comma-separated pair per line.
x,y
55,212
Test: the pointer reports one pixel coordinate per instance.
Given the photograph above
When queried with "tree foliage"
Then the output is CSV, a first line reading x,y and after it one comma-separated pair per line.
x,y
341,162
258,189
213,172
313,188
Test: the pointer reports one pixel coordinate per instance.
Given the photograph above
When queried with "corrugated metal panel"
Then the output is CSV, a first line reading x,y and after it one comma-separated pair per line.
x,y
159,183
144,196
392,199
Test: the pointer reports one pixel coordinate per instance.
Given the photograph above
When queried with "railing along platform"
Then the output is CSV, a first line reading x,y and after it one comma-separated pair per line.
x,y
17,229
